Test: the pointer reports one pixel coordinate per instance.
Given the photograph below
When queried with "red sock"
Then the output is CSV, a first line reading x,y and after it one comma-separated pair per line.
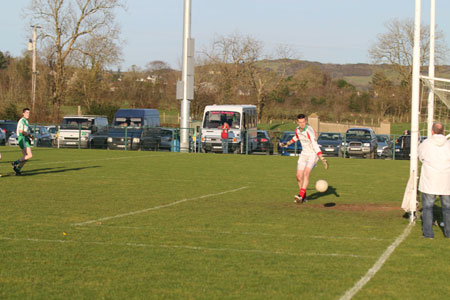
x,y
302,193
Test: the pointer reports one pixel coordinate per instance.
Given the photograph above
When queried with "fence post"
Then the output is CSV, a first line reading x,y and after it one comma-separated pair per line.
x,y
345,145
393,150
126,137
246,142
79,135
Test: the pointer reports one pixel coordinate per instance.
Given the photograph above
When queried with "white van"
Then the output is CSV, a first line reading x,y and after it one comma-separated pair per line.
x,y
242,120
84,131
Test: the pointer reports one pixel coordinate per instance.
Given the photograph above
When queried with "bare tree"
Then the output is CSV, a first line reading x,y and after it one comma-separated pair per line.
x,y
235,67
395,47
72,26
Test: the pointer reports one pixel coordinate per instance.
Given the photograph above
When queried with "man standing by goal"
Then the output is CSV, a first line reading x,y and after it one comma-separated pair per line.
x,y
308,158
434,153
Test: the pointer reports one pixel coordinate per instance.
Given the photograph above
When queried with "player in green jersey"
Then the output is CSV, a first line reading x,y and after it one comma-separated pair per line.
x,y
24,139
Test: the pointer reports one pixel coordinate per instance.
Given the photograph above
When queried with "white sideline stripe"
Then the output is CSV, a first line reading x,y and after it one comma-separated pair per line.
x,y
156,207
249,233
377,266
187,247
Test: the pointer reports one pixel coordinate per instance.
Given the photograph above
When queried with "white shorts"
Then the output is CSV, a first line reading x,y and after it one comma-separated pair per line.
x,y
307,161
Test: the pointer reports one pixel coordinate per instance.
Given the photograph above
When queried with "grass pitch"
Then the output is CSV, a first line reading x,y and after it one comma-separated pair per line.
x,y
90,224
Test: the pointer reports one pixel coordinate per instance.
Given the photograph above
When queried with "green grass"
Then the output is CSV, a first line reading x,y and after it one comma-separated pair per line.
x,y
253,243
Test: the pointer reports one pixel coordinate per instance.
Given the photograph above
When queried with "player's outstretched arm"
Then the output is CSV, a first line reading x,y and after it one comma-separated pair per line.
x,y
324,161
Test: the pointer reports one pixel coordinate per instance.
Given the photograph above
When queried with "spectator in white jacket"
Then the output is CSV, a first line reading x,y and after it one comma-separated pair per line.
x,y
434,153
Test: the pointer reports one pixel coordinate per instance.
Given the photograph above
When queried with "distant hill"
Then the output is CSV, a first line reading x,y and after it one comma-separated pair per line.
x,y
358,75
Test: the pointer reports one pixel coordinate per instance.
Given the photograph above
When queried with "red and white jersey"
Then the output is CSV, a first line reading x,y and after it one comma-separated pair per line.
x,y
307,138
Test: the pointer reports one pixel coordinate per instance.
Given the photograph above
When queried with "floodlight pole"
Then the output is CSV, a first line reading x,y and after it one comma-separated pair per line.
x,y
431,68
415,104
34,72
186,86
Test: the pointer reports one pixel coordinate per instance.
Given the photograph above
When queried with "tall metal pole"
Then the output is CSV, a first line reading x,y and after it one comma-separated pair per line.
x,y
415,102
187,78
430,119
34,72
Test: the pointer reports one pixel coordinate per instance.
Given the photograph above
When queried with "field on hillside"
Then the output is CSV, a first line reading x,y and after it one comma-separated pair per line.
x,y
90,224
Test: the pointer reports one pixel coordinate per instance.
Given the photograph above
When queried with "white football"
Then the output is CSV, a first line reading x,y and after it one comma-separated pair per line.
x,y
321,186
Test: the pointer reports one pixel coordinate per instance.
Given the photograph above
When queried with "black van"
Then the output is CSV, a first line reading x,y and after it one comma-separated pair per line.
x,y
129,125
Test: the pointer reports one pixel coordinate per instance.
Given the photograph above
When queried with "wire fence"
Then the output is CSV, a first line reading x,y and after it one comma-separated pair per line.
x,y
168,139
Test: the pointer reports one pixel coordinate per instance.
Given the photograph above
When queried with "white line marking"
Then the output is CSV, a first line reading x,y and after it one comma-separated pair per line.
x,y
158,229
186,247
377,266
155,207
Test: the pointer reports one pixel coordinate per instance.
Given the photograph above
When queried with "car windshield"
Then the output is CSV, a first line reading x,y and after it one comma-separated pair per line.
x,y
40,130
382,138
261,134
329,136
360,134
127,122
215,119
76,123
52,130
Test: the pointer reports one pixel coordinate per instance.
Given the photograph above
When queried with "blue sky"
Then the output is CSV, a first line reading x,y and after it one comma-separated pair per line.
x,y
328,31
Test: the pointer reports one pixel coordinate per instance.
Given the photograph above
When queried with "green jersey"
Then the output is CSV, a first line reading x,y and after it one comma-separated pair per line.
x,y
23,126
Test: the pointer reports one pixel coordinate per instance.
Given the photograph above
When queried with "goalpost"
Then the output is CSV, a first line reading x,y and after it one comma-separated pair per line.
x,y
437,106
438,88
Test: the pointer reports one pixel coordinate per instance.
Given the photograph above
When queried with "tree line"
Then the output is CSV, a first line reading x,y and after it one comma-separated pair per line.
x,y
81,41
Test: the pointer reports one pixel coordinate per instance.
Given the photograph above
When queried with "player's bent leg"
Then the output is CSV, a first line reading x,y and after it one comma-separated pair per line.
x,y
28,154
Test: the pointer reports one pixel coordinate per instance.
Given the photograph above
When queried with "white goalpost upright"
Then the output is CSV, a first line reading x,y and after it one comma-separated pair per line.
x,y
438,104
410,198
431,72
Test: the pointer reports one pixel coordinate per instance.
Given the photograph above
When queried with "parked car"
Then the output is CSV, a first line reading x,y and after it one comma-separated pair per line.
x,y
53,130
292,149
264,143
330,143
42,137
384,146
170,140
359,142
2,137
9,127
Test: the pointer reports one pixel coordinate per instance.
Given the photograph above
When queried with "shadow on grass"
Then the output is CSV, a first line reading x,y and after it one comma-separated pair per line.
x,y
330,191
54,170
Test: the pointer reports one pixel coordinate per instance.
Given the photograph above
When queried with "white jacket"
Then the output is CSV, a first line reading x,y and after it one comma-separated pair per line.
x,y
434,153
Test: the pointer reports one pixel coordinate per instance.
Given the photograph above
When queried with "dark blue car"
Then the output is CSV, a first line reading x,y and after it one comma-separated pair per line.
x,y
330,143
292,149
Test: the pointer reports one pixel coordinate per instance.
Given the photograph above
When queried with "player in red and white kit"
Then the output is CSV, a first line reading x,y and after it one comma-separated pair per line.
x,y
308,158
